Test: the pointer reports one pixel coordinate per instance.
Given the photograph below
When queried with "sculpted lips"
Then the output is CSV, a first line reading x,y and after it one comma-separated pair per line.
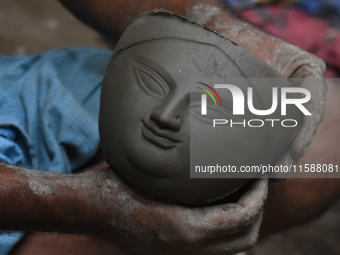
x,y
158,137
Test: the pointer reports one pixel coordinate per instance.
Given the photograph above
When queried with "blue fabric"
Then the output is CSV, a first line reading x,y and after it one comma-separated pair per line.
x,y
49,107
7,241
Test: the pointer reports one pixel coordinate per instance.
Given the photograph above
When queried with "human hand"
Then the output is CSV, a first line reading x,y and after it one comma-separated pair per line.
x,y
143,226
288,60
99,204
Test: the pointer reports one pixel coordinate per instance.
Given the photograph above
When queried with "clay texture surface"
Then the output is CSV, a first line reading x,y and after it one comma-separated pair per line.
x,y
147,114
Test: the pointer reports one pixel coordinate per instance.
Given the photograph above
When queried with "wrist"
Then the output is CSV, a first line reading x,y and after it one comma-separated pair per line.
x,y
18,202
43,201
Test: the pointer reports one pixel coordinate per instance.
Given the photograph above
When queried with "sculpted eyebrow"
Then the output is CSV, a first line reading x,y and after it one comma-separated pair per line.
x,y
157,68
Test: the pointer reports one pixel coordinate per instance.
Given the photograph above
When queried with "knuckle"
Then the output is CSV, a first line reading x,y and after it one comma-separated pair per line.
x,y
321,64
179,231
181,236
188,234
192,238
190,228
168,236
315,63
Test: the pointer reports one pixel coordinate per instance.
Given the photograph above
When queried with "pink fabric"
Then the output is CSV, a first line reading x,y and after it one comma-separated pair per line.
x,y
303,30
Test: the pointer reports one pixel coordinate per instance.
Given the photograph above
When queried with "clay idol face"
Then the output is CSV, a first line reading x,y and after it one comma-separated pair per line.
x,y
150,121
147,110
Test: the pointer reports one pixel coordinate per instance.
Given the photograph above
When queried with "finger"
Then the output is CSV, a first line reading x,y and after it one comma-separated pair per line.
x,y
316,107
288,59
231,244
285,159
256,194
210,222
292,62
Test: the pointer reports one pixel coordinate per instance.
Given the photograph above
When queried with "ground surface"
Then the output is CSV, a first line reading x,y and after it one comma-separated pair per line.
x,y
33,26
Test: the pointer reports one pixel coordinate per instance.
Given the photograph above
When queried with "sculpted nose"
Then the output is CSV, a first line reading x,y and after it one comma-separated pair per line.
x,y
168,116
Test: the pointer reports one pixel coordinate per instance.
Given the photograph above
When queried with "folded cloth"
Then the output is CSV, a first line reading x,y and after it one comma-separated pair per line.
x,y
49,105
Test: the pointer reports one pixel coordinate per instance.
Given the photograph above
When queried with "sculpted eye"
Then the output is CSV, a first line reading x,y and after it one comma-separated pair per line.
x,y
151,82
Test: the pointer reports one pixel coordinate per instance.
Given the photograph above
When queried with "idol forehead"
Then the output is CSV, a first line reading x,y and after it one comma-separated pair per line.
x,y
160,25
208,59
181,64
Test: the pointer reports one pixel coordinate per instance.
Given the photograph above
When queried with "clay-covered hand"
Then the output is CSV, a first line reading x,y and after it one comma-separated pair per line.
x,y
288,60
99,204
142,226
307,71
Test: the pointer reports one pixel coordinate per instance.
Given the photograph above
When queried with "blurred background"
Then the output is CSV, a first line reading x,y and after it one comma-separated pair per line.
x,y
28,27
35,26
